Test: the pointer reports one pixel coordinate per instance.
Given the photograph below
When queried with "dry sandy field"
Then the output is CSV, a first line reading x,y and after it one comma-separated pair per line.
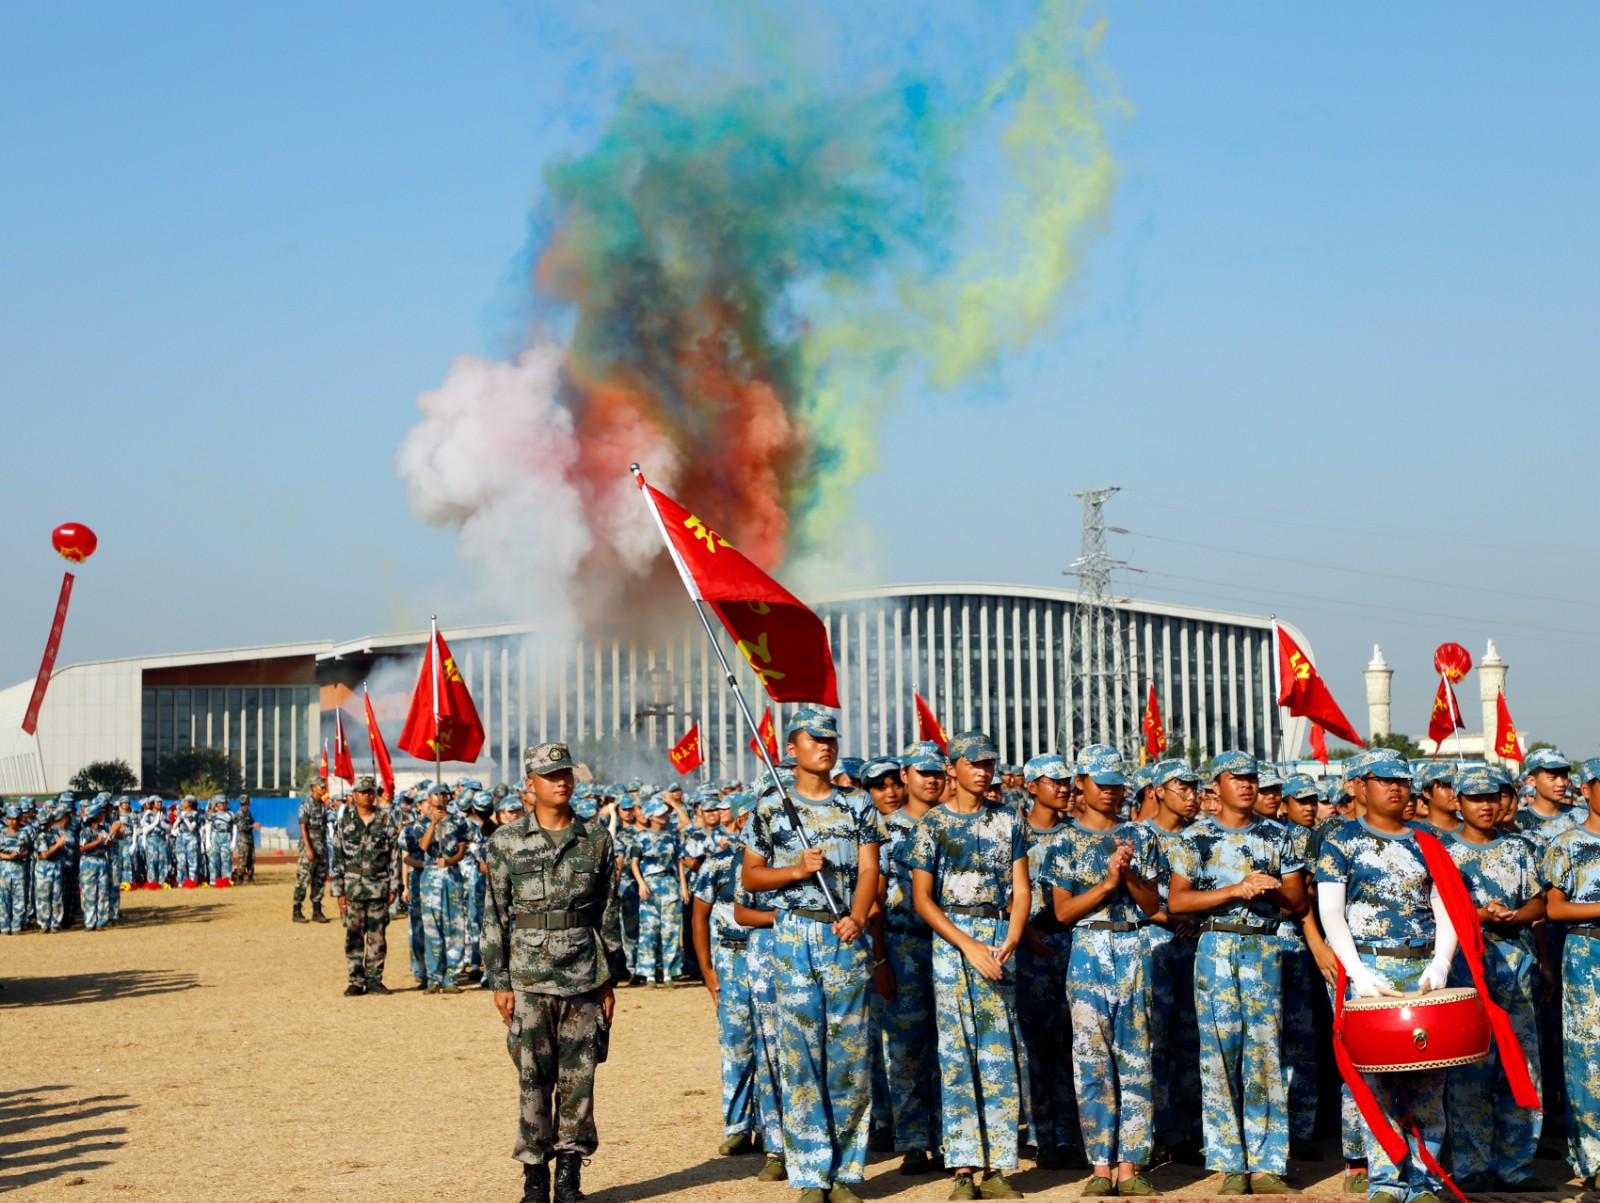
x,y
203,1050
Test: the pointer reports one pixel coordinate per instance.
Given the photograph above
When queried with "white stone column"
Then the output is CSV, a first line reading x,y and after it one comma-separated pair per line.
x,y
1491,680
1379,678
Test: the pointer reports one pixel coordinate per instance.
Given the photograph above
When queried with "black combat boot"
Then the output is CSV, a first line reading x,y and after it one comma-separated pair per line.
x,y
316,913
536,1183
299,915
568,1167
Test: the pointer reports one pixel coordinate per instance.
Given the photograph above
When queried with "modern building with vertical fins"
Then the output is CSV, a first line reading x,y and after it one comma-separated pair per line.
x,y
993,657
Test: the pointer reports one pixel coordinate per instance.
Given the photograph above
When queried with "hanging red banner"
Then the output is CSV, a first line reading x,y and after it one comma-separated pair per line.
x,y
30,721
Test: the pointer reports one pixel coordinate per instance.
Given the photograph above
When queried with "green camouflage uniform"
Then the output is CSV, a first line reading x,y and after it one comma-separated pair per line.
x,y
311,874
552,934
364,859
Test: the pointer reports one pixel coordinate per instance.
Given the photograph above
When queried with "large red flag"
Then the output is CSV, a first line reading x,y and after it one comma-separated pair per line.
x,y
1445,718
1506,744
1155,735
343,768
686,755
1303,692
768,735
380,750
441,692
784,642
1319,743
928,727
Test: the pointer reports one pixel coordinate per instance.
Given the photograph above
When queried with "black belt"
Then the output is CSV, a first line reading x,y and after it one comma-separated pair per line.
x,y
1402,952
1107,925
807,913
1588,929
907,929
976,912
555,920
733,941
1236,929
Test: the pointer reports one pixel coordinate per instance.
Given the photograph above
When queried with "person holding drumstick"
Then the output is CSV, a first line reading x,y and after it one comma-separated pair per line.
x,y
1386,922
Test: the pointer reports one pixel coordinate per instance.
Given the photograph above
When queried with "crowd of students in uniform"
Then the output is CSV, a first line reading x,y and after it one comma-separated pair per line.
x,y
66,861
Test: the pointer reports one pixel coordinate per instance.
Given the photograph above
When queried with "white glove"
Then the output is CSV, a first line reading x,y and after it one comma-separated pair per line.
x,y
1368,984
1435,977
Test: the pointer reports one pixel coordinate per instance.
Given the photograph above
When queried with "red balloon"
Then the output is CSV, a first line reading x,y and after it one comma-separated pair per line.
x,y
1452,661
75,541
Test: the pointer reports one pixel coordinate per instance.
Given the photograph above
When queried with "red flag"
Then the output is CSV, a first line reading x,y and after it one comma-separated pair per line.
x,y
928,724
343,769
1155,735
785,643
1446,716
1506,744
686,755
323,771
1319,743
1303,692
768,735
441,694
380,750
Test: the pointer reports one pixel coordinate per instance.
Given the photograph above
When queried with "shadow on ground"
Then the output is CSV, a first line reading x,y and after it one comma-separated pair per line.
x,y
93,987
134,915
46,1133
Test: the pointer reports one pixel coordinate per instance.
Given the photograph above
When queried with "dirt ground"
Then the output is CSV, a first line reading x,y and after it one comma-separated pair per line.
x,y
203,1051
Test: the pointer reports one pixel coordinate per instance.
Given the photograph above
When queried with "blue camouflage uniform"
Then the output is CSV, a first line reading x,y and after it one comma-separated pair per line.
x,y
1489,1133
444,912
1108,981
186,845
983,1073
17,848
1571,864
661,914
906,1031
1238,987
823,1025
1042,990
411,850
717,884
1301,980
49,902
762,969
474,879
94,869
1390,916
221,825
155,834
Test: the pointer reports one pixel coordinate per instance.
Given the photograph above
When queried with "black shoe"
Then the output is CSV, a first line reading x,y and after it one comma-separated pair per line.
x,y
568,1168
536,1183
298,916
353,990
317,916
378,988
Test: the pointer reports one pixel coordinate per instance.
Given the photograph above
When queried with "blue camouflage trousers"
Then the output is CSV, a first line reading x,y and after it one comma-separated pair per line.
x,y
907,1039
823,1058
983,1068
444,925
661,929
49,903
760,969
1299,1058
94,889
736,1036
475,890
13,896
1422,1092
115,876
1238,988
1174,1037
1047,1038
1580,1019
1489,1133
1108,992
158,861
219,861
187,857
628,893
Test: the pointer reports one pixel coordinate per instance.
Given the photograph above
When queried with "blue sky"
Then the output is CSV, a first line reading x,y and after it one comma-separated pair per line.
x,y
1337,344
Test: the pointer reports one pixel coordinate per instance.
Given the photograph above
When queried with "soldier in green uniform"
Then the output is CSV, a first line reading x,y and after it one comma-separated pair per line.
x,y
365,849
552,949
311,874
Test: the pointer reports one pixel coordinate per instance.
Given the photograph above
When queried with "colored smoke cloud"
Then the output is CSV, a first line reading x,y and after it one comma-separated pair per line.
x,y
749,274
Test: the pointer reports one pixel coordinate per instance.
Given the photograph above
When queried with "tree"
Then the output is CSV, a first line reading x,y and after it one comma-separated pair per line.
x,y
104,776
306,774
199,771
1396,742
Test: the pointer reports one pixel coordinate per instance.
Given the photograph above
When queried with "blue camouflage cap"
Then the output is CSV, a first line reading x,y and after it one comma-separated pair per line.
x,y
1332,790
1049,765
512,802
626,802
1502,778
1299,787
94,809
1589,771
1240,764
1475,780
483,802
1172,769
1431,772
850,766
1102,764
1549,759
877,770
585,808
818,724
924,756
971,745
1139,779
1385,765
741,803
14,810
67,796
1268,777
654,808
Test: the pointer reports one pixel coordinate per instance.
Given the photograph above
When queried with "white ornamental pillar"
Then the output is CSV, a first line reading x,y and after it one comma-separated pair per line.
x,y
1379,678
1491,680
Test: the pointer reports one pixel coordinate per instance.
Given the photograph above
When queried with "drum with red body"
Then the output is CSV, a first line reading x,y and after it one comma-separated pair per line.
x,y
1416,1031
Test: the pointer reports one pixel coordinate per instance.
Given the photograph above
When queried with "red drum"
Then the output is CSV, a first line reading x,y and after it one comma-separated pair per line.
x,y
1416,1031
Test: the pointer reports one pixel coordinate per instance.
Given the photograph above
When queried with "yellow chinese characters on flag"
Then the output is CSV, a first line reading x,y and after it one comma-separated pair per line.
x,y
686,754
